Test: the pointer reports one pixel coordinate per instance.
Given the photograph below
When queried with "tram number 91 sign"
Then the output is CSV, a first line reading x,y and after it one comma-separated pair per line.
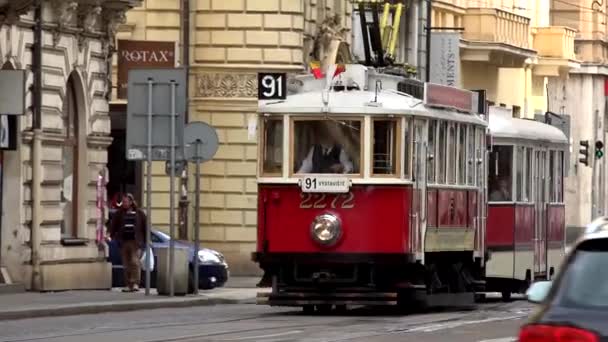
x,y
272,86
325,184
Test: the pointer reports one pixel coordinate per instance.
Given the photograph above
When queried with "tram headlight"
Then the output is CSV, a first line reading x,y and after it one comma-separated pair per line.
x,y
326,229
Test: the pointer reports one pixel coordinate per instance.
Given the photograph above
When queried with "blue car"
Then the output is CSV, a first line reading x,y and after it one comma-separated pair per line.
x,y
213,270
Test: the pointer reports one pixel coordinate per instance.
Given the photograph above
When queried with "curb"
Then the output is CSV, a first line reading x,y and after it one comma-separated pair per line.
x,y
96,308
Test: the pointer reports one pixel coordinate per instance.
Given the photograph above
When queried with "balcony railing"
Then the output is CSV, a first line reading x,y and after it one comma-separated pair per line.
x,y
493,25
555,42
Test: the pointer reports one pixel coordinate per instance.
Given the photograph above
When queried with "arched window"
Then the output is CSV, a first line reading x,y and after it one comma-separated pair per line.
x,y
69,186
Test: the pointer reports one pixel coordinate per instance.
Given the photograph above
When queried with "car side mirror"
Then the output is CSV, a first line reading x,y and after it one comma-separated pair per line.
x,y
537,292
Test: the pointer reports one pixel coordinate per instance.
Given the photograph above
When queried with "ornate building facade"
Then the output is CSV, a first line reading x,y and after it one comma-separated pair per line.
x,y
232,40
48,227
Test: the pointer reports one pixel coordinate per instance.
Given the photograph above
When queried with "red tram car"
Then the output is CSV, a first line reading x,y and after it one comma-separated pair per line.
x,y
526,211
371,194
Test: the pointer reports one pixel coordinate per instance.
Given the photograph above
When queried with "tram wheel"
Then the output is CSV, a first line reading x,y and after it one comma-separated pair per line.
x,y
324,308
506,295
341,308
308,309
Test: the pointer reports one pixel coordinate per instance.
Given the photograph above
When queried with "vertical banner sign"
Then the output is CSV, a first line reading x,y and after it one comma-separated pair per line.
x,y
445,58
137,54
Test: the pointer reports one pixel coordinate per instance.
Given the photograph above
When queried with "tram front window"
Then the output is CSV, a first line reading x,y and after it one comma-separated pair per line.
x,y
501,161
327,146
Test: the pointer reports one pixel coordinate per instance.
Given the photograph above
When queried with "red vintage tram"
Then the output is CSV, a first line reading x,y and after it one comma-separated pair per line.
x,y
369,195
526,214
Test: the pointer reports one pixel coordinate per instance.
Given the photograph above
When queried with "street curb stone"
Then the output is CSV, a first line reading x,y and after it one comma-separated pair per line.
x,y
96,308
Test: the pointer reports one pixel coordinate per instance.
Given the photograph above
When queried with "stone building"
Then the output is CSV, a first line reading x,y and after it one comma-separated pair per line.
x,y
48,225
582,96
231,40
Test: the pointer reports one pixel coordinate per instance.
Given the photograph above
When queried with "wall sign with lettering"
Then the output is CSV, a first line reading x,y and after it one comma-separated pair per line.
x,y
137,54
272,86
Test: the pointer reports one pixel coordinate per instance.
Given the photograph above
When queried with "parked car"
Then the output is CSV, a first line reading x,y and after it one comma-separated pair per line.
x,y
213,269
574,306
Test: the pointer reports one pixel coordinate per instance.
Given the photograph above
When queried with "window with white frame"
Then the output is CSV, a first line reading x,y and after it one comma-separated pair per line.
x,y
520,164
326,146
529,180
500,177
452,161
272,153
471,147
441,152
462,158
385,147
430,165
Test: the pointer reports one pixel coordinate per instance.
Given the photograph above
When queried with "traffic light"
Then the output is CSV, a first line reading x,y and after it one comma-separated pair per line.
x,y
584,152
599,149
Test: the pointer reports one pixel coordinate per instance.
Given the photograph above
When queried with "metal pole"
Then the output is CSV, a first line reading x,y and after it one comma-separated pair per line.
x,y
429,12
197,208
149,186
172,194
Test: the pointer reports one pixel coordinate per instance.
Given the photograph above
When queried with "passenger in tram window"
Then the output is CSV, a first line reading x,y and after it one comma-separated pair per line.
x,y
327,155
501,192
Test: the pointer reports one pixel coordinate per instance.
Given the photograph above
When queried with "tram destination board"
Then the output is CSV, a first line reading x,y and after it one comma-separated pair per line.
x,y
272,86
325,184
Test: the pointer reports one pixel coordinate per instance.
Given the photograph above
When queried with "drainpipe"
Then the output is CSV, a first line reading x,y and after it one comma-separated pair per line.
x,y
37,151
429,13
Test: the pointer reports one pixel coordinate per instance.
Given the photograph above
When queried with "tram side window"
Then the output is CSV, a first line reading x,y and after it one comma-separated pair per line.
x,y
385,147
273,146
500,178
441,149
560,177
552,193
406,149
529,180
327,146
471,155
431,151
519,188
452,163
462,159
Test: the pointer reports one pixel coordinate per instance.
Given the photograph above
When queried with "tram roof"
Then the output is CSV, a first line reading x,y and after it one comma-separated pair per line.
x,y
503,126
358,102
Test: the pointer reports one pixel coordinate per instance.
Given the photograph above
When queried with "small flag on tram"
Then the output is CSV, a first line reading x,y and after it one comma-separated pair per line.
x,y
315,67
340,68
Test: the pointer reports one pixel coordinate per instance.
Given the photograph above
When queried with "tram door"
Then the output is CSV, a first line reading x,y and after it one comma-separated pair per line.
x,y
541,199
419,200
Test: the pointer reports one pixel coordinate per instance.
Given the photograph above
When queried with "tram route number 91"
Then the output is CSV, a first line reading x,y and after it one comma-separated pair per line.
x,y
272,86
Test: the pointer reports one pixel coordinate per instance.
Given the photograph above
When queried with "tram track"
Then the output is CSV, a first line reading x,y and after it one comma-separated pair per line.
x,y
353,318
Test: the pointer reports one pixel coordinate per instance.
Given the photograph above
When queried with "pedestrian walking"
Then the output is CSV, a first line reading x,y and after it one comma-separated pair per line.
x,y
128,228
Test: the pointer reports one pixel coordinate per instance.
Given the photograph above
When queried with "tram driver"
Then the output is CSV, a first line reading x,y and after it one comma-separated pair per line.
x,y
327,155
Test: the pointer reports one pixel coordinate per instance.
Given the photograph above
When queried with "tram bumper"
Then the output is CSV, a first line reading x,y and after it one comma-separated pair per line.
x,y
301,298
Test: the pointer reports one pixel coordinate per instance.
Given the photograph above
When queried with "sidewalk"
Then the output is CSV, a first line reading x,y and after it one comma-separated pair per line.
x,y
35,304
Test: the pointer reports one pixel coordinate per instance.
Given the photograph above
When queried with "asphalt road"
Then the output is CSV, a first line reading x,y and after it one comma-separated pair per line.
x,y
489,322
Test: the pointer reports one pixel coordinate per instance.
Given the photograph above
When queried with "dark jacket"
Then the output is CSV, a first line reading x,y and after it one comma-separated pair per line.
x,y
117,224
321,163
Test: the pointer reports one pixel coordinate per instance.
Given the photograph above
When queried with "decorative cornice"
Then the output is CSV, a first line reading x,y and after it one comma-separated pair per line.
x,y
10,10
227,85
65,12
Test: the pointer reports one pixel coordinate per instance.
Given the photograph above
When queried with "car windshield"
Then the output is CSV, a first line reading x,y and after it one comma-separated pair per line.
x,y
584,283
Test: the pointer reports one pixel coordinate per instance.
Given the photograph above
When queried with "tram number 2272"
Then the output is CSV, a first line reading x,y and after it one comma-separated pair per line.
x,y
320,201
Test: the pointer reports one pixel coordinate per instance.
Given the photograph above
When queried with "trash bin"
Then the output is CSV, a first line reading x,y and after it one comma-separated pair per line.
x,y
180,271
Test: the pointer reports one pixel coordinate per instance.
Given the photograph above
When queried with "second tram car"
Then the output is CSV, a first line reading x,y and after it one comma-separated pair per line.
x,y
369,195
526,211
